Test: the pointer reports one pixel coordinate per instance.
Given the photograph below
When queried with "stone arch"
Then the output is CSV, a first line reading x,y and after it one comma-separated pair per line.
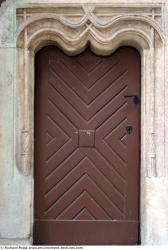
x,y
84,25
132,37
72,37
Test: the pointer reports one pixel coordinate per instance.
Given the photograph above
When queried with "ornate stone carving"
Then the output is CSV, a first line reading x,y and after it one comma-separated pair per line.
x,y
88,24
104,28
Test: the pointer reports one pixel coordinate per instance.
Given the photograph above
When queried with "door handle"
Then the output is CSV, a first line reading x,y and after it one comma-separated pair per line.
x,y
135,98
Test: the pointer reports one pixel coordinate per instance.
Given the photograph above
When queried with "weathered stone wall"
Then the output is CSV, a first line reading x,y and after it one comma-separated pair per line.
x,y
149,33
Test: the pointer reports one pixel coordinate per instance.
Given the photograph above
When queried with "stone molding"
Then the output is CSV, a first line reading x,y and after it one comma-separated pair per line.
x,y
90,25
105,28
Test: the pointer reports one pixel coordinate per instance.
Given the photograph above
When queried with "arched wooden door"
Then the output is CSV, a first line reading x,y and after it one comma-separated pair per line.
x,y
87,147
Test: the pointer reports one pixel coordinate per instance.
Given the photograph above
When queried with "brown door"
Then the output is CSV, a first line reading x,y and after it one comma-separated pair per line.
x,y
87,144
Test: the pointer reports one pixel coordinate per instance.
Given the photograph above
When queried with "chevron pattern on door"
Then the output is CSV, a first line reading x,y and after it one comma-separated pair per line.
x,y
86,164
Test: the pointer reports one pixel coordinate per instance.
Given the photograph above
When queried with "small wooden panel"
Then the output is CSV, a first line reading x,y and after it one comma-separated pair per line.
x,y
86,138
82,232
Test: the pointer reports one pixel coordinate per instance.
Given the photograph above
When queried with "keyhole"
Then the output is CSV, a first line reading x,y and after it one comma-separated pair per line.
x,y
129,129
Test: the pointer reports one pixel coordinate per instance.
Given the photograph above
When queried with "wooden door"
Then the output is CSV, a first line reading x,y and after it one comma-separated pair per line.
x,y
87,147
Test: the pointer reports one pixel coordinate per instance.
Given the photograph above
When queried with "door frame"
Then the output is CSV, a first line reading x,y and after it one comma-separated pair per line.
x,y
139,31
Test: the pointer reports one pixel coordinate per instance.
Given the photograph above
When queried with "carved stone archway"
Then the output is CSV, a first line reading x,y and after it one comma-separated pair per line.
x,y
104,28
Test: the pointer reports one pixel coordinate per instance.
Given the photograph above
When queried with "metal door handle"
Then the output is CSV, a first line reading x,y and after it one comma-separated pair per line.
x,y
135,98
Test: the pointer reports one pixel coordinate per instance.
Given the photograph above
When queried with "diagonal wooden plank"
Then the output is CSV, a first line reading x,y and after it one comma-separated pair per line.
x,y
115,85
84,200
112,158
70,96
69,179
112,121
88,79
98,174
105,185
88,96
58,157
49,138
88,60
105,199
61,138
84,214
58,117
86,166
61,202
55,128
66,108
108,170
64,168
123,139
83,183
87,111
113,140
111,108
